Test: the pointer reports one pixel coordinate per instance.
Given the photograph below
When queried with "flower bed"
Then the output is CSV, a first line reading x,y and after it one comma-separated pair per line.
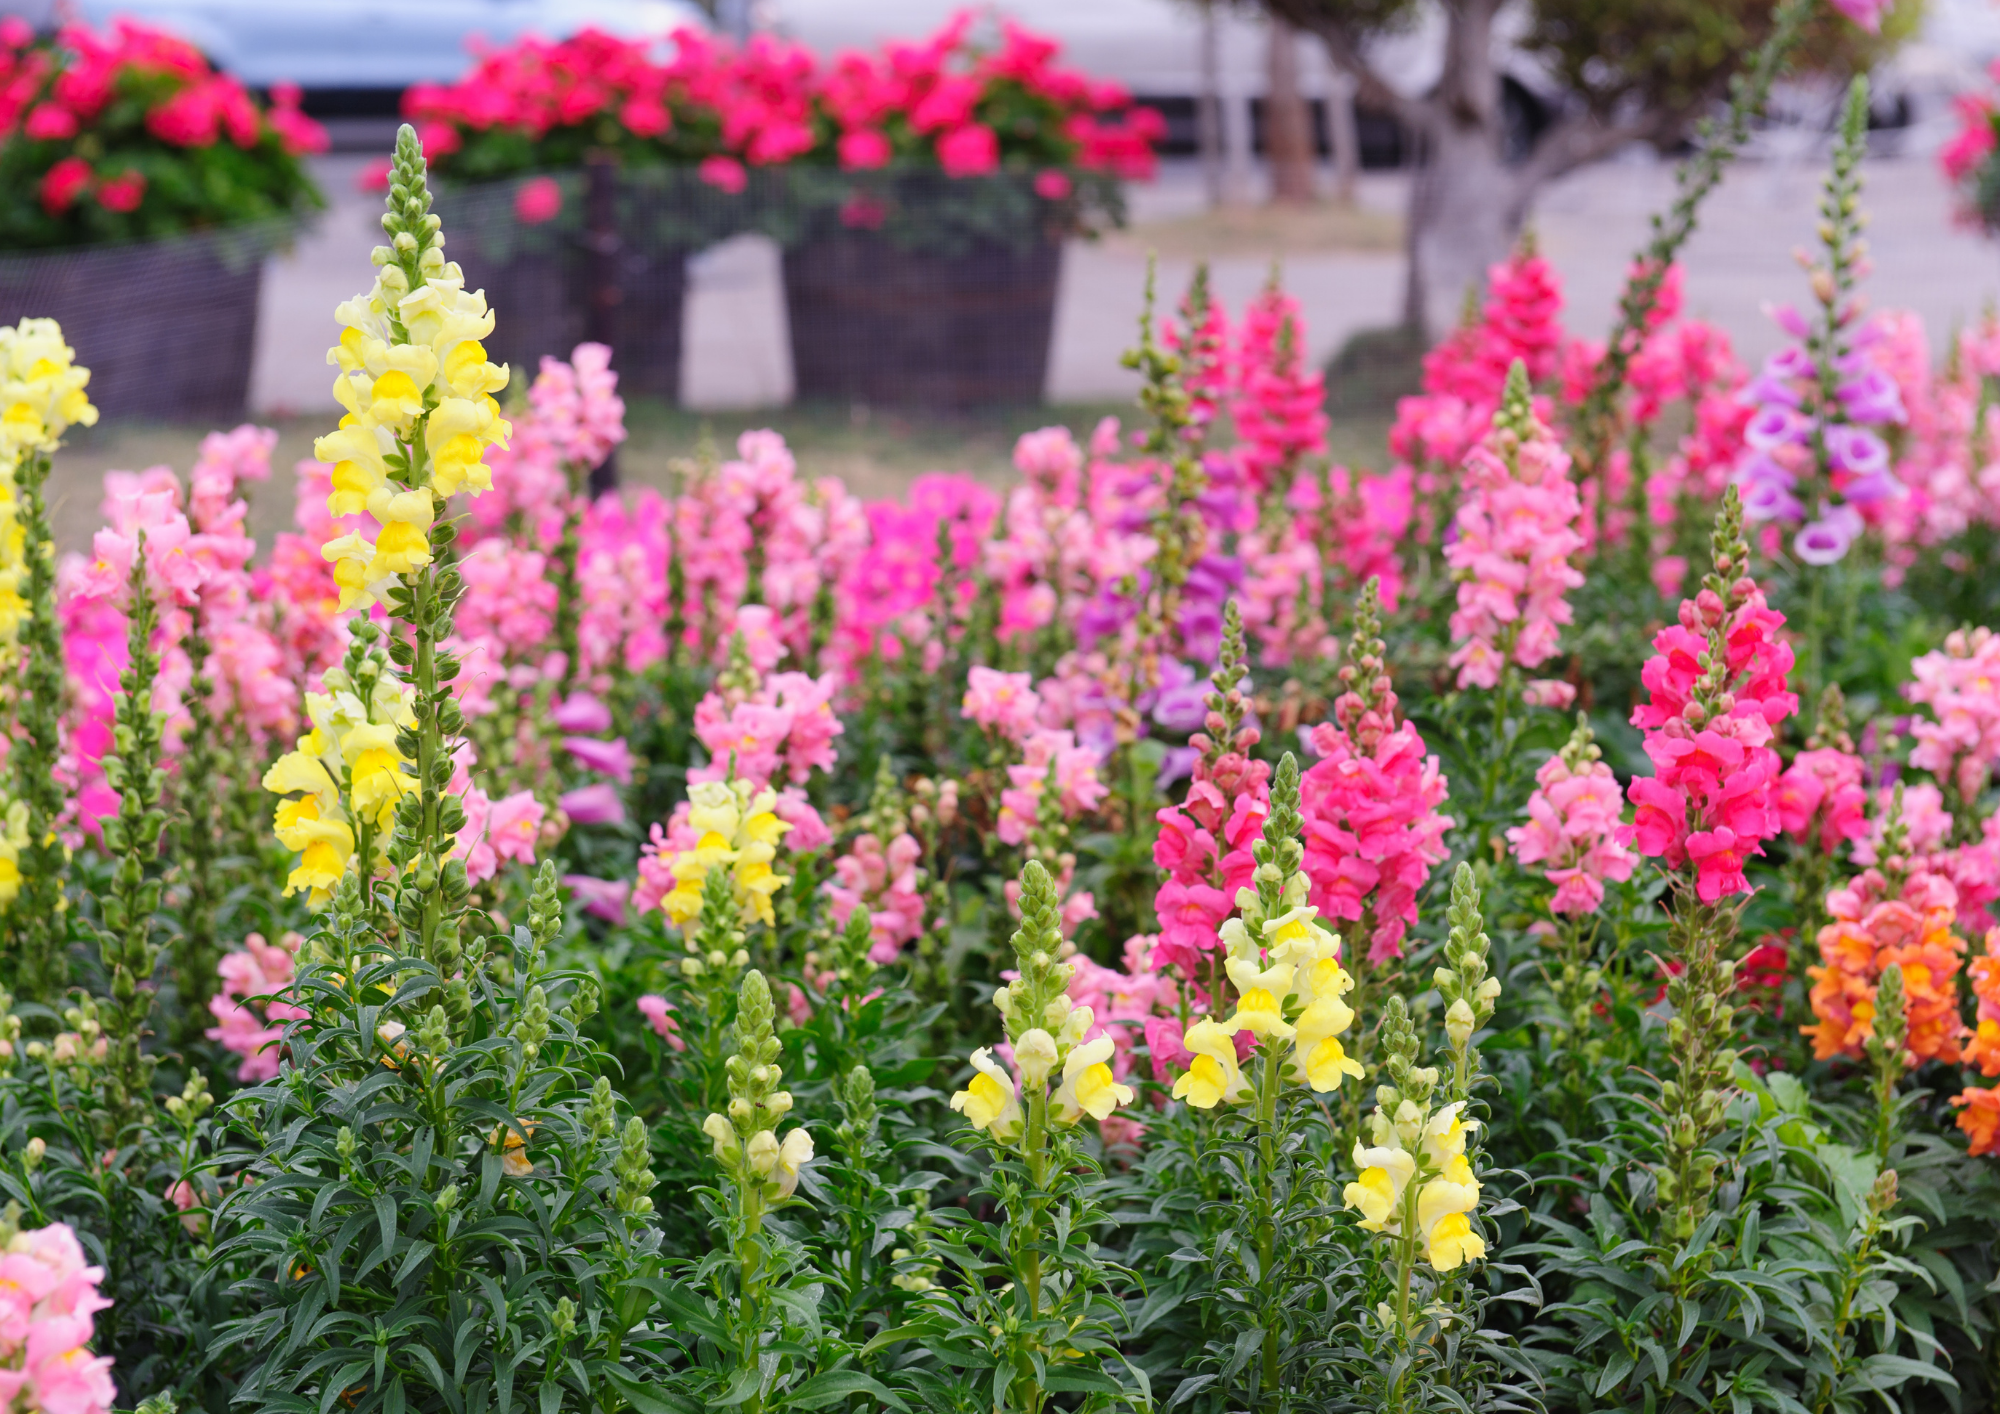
x,y
896,182
142,192
1205,922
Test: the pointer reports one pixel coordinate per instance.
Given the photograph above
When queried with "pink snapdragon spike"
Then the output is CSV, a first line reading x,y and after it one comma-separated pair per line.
x,y
1576,830
257,970
659,1014
1960,683
499,831
1055,770
1516,533
48,1300
1713,798
1373,829
1125,1004
884,882
1005,702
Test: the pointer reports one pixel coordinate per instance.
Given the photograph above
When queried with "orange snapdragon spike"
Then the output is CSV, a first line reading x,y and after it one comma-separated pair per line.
x,y
1854,952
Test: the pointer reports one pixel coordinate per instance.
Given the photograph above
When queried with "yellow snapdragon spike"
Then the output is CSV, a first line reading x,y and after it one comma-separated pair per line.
x,y
301,771
1214,1076
1088,1085
1325,1064
41,389
1259,1011
989,1101
712,810
1453,1242
1297,938
13,839
456,466
376,767
683,902
1445,1134
325,848
1376,1195
793,1154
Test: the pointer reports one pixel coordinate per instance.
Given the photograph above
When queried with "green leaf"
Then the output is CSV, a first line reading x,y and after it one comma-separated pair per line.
x,y
836,1385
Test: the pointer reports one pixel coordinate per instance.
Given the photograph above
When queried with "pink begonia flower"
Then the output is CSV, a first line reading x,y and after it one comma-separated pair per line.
x,y
658,1012
537,200
723,173
599,804
601,898
609,757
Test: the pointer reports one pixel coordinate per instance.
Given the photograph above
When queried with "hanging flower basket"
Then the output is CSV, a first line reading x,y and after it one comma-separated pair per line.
x,y
598,254
139,193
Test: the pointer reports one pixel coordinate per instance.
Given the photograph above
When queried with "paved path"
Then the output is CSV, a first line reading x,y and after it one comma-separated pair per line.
x,y
1589,225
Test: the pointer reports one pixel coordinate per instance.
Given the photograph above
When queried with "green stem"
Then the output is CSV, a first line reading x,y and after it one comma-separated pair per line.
x,y
1268,1083
38,921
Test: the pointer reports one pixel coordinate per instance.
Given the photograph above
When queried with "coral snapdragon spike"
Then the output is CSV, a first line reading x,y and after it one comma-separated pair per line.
x,y
1716,693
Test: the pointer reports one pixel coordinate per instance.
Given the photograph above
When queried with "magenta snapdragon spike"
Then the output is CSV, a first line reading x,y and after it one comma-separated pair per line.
x,y
1517,529
1204,844
1280,406
1715,695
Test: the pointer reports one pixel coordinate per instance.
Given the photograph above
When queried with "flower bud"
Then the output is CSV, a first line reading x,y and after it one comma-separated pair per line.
x,y
1458,1024
723,1134
1034,1058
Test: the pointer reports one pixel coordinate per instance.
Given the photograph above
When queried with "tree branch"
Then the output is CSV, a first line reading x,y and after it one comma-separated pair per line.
x,y
1343,47
1580,139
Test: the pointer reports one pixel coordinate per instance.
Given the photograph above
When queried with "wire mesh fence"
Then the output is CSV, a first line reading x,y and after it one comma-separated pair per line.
x,y
901,288
167,328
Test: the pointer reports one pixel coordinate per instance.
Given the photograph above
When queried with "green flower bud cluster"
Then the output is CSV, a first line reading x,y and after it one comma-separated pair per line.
x,y
1468,992
746,1140
1039,998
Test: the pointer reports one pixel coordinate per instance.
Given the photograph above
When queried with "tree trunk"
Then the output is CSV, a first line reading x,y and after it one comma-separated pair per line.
x,y
1466,210
1345,134
1465,205
1288,139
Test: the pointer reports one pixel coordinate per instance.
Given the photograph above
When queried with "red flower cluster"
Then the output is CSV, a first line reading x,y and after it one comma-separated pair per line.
x,y
57,94
970,108
1715,693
